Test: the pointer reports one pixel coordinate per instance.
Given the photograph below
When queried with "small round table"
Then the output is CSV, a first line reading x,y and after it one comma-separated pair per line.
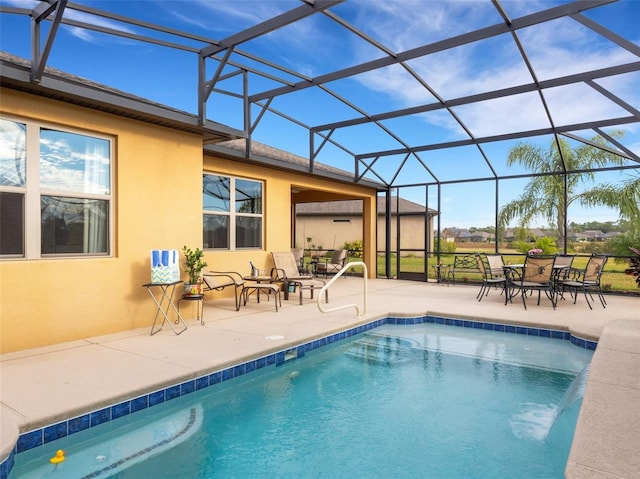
x,y
199,304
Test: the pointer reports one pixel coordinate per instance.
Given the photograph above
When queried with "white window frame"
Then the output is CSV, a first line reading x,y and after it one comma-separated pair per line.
x,y
32,191
232,214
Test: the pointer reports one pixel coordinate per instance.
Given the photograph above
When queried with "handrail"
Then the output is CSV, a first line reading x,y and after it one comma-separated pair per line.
x,y
345,306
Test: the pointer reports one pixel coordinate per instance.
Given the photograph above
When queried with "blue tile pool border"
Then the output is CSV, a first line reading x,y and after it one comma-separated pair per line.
x,y
41,436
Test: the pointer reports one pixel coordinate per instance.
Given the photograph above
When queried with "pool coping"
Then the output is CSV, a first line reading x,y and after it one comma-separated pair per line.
x,y
40,436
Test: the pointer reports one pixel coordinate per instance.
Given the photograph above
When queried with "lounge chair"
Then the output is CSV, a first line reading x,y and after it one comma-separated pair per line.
x,y
492,269
286,271
219,280
333,264
537,275
587,280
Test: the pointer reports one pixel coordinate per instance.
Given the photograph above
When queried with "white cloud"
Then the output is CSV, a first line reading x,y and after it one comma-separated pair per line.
x,y
555,49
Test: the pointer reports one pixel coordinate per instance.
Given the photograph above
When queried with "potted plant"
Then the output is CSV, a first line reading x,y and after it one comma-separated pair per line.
x,y
194,264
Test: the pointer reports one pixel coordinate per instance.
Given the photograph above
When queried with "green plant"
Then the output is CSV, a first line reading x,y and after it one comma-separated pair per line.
x,y
354,247
547,245
194,263
444,246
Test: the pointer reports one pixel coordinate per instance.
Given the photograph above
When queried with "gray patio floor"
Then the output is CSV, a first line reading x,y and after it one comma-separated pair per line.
x,y
45,385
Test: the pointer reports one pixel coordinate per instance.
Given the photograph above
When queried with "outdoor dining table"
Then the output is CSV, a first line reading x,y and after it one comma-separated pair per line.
x,y
517,269
509,271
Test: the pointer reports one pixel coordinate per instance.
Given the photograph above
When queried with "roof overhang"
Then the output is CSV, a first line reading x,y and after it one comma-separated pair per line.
x,y
68,88
264,155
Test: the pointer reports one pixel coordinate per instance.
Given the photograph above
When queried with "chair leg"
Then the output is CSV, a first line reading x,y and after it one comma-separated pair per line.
x,y
601,296
584,290
239,297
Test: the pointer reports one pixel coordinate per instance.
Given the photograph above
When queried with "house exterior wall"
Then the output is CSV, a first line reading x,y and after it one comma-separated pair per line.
x,y
326,232
330,234
157,193
279,216
412,233
157,173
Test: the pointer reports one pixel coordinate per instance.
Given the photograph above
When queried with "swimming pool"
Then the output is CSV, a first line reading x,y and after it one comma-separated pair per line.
x,y
416,385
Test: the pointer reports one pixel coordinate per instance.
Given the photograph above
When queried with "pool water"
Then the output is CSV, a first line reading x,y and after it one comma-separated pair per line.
x,y
399,401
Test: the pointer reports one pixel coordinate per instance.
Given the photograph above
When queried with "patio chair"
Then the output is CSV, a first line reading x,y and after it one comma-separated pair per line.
x,y
587,280
537,275
285,270
333,264
562,265
219,280
492,269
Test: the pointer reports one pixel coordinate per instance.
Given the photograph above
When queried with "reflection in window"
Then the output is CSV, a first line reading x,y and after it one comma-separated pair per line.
x,y
13,153
216,194
72,162
248,197
248,232
72,225
216,231
232,212
69,176
11,223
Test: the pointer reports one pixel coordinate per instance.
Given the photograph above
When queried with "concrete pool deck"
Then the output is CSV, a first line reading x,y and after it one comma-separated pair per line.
x,y
45,385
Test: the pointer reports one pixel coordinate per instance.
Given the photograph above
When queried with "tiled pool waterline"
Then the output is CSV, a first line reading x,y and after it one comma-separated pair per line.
x,y
41,436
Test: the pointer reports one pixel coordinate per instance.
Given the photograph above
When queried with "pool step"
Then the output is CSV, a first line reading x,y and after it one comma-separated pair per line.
x,y
378,348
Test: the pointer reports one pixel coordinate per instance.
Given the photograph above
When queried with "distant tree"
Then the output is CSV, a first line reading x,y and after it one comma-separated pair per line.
x,y
544,195
521,234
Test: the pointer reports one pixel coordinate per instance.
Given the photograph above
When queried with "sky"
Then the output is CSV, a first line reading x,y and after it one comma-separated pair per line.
x,y
318,45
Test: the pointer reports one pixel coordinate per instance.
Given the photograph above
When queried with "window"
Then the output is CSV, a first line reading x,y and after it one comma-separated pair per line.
x,y
55,192
232,212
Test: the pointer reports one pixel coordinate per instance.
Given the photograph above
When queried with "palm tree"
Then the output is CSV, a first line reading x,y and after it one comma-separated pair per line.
x,y
544,195
625,197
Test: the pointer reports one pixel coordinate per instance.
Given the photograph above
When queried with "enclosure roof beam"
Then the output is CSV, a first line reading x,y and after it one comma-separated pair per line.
x,y
39,13
491,95
309,8
509,136
460,40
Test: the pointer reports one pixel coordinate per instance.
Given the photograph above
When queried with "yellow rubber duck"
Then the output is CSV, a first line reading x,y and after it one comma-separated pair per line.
x,y
58,458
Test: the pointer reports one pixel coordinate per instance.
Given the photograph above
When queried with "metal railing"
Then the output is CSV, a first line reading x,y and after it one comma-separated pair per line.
x,y
345,268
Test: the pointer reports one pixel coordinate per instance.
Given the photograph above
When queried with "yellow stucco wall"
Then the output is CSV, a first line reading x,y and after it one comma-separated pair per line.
x,y
157,175
158,205
278,220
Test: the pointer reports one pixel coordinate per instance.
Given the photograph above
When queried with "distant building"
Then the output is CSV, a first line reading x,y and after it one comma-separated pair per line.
x,y
330,224
463,235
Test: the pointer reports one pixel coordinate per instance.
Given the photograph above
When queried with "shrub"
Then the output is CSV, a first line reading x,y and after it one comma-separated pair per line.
x,y
445,246
547,245
354,248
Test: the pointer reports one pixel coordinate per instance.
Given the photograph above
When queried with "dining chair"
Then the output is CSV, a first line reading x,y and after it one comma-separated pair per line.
x,y
562,265
588,280
492,275
537,275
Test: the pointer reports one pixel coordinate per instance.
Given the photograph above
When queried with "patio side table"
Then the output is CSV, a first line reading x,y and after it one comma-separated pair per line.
x,y
164,302
441,273
199,299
